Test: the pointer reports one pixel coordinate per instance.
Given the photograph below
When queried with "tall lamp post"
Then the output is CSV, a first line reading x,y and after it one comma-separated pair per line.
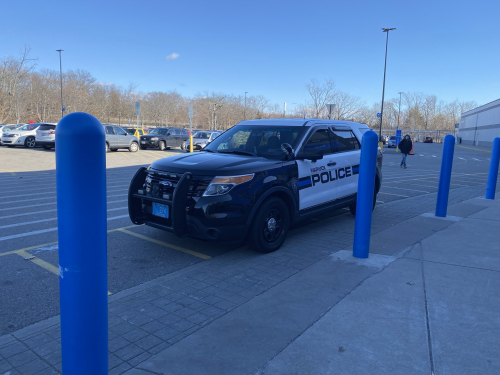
x,y
245,110
399,112
385,30
60,75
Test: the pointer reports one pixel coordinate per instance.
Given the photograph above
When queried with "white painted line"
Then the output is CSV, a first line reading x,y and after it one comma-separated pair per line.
x,y
55,218
374,260
48,230
460,158
46,204
449,218
27,213
433,156
476,159
54,197
420,155
53,192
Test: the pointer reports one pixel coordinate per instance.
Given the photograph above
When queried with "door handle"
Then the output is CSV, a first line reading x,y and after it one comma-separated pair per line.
x,y
332,163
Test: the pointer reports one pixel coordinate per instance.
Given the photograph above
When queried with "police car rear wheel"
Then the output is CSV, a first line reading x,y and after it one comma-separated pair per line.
x,y
270,226
352,207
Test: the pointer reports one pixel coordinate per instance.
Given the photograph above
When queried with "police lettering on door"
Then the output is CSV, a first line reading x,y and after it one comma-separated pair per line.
x,y
327,176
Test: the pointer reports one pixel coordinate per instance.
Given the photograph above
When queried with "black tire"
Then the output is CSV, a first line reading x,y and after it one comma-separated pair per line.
x,y
144,148
45,147
183,148
161,145
265,235
352,207
29,142
107,147
133,147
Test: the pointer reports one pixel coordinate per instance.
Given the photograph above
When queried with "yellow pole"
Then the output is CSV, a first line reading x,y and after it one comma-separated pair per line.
x,y
190,142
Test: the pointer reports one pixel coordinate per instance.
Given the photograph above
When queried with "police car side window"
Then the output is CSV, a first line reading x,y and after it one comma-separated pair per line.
x,y
344,141
320,140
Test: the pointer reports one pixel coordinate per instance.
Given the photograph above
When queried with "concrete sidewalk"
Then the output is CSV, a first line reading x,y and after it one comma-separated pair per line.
x,y
424,300
428,308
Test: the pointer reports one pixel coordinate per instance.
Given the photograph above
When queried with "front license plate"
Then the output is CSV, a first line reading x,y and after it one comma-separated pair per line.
x,y
160,210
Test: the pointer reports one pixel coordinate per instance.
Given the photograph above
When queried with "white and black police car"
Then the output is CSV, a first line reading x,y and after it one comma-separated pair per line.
x,y
253,181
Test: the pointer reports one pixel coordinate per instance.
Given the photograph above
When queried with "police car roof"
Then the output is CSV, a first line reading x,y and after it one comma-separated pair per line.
x,y
301,122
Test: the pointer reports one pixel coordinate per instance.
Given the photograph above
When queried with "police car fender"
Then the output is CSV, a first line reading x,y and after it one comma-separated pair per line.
x,y
266,195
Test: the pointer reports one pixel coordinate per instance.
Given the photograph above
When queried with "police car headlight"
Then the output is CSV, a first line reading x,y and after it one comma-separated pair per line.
x,y
222,185
154,138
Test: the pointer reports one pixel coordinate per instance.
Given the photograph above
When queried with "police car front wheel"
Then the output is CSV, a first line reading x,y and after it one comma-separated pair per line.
x,y
352,207
270,226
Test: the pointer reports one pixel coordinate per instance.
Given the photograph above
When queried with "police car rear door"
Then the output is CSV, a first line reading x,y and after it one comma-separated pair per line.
x,y
348,149
317,183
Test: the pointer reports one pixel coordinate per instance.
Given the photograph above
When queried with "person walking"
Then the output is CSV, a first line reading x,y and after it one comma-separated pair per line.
x,y
405,147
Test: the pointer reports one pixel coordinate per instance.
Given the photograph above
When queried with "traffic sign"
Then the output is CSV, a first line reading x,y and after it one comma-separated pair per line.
x,y
379,114
190,111
330,108
137,108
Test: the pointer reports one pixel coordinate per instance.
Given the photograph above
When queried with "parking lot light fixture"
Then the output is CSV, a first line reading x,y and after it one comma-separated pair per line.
x,y
385,30
60,75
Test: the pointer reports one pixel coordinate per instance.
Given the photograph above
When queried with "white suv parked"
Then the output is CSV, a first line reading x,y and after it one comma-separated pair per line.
x,y
22,136
46,136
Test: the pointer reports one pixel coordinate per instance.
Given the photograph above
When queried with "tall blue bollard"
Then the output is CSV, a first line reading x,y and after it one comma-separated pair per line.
x,y
364,202
81,215
492,175
445,176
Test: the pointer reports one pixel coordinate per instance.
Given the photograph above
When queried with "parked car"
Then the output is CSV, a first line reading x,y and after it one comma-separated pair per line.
x,y
392,142
46,136
164,138
137,132
200,140
21,136
428,140
117,138
4,128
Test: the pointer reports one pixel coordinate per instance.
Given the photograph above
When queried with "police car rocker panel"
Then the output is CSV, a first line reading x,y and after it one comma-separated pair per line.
x,y
253,181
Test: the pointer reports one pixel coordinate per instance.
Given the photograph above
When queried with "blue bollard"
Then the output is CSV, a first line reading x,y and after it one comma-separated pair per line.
x,y
445,176
81,215
366,188
493,173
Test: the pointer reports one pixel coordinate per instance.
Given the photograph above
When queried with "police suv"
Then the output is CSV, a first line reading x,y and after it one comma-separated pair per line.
x,y
253,181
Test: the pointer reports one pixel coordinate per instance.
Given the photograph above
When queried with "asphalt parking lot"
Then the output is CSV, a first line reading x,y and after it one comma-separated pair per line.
x,y
136,254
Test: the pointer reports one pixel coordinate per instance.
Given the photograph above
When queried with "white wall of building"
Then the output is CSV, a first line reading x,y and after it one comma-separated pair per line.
x,y
480,125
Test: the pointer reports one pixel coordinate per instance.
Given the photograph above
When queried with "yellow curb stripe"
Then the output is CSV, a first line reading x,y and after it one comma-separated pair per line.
x,y
178,248
49,267
475,149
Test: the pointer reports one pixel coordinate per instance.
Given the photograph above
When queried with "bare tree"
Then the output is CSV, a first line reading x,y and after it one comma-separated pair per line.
x,y
320,94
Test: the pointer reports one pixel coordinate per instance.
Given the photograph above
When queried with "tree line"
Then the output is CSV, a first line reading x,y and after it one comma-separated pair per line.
x,y
28,94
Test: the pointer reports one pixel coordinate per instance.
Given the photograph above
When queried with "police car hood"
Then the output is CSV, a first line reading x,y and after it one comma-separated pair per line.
x,y
214,164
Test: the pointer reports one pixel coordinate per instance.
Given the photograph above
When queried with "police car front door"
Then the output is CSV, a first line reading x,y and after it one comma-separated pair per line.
x,y
316,178
347,148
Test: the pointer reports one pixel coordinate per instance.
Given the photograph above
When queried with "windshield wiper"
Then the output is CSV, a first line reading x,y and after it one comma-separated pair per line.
x,y
238,152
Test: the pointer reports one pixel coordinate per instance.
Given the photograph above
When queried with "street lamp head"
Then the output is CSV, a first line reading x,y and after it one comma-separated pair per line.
x,y
59,50
385,29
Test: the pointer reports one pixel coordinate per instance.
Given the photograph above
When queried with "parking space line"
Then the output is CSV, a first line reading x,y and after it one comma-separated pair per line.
x,y
28,248
49,267
393,187
122,153
158,242
475,149
397,195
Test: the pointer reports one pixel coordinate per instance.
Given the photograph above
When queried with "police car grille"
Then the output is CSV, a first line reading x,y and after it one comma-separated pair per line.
x,y
166,183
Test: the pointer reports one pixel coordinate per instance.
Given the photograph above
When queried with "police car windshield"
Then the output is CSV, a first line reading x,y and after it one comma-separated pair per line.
x,y
259,140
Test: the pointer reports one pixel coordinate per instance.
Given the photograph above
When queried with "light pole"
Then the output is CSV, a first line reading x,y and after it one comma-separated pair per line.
x,y
385,30
60,75
245,110
399,113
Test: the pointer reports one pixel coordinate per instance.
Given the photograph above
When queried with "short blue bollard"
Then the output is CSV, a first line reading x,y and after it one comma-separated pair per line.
x,y
445,176
81,215
493,173
366,188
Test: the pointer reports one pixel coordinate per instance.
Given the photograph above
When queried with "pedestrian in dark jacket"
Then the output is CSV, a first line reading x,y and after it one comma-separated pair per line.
x,y
405,147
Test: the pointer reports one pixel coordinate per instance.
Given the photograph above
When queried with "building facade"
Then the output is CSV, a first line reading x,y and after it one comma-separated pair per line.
x,y
480,125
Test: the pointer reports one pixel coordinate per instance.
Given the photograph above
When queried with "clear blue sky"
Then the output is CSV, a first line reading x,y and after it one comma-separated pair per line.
x,y
450,49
